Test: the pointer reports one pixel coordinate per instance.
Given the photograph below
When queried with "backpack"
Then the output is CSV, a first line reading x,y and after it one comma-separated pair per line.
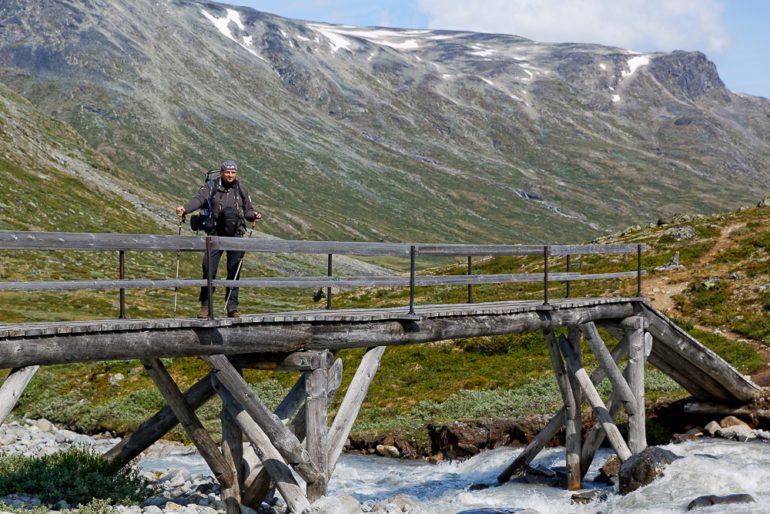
x,y
204,220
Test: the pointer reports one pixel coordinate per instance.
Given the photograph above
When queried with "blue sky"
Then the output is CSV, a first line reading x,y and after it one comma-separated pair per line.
x,y
732,33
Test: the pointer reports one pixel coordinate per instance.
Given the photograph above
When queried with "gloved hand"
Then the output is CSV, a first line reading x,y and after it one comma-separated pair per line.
x,y
253,216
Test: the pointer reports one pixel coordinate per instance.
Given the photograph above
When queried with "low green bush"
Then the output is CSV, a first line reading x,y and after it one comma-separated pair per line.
x,y
77,476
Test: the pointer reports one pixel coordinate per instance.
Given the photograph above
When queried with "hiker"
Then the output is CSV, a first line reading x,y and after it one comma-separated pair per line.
x,y
230,205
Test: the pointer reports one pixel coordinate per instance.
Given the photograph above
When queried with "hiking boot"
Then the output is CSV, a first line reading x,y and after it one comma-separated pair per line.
x,y
233,313
204,312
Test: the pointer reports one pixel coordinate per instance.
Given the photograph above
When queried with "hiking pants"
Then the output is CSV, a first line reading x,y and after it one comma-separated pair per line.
x,y
233,258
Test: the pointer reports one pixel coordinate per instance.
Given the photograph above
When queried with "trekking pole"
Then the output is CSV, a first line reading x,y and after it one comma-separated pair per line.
x,y
240,263
178,254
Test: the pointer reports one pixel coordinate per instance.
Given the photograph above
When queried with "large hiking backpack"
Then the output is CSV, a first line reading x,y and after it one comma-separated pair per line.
x,y
204,220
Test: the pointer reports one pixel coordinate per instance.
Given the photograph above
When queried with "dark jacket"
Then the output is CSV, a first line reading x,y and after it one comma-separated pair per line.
x,y
222,196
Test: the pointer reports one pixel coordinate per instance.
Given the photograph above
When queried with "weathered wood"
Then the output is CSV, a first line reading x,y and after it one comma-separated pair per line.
x,y
271,458
614,374
293,400
14,240
552,428
334,379
351,404
637,434
71,285
571,410
593,249
595,400
159,425
315,332
283,440
190,422
573,464
258,484
232,451
595,436
306,281
715,409
13,387
735,386
316,409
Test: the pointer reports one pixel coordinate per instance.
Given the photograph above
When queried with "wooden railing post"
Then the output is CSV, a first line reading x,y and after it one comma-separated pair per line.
x,y
122,274
470,272
412,255
546,254
568,270
329,274
639,271
209,278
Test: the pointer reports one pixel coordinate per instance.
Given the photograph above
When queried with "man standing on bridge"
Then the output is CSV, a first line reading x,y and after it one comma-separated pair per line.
x,y
230,204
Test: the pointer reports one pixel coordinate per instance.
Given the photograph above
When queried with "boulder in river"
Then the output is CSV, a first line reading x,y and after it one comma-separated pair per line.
x,y
730,499
643,468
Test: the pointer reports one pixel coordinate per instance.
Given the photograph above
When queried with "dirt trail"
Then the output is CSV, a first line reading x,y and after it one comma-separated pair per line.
x,y
661,289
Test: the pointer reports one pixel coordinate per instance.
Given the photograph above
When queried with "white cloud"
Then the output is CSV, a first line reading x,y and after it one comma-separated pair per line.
x,y
633,24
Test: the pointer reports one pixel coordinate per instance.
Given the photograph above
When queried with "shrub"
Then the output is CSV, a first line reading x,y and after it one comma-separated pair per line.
x,y
76,475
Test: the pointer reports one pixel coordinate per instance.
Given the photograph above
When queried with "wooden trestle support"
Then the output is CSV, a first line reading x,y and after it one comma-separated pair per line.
x,y
577,385
294,437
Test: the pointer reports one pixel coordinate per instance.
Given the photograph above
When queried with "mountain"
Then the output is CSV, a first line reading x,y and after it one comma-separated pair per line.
x,y
390,134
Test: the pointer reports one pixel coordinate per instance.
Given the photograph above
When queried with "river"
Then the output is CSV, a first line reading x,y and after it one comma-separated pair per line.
x,y
709,467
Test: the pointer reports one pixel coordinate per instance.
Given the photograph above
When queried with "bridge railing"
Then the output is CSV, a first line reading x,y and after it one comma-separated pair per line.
x,y
121,243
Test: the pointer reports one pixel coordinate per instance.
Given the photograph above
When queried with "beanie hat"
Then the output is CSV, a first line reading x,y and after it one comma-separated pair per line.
x,y
228,166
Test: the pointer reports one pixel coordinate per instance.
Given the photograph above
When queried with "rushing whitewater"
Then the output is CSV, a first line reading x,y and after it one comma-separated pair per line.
x,y
709,467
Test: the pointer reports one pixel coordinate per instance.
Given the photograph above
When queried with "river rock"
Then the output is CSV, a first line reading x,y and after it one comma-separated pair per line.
x,y
738,433
608,473
335,505
643,468
388,451
730,499
732,421
712,428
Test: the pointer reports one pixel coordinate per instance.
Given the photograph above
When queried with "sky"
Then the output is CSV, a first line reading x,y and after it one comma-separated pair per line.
x,y
733,34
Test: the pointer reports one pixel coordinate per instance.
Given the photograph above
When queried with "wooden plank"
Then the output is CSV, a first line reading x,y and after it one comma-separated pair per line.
x,y
351,404
234,337
595,400
190,422
309,247
605,360
13,387
283,440
737,388
70,285
16,240
594,249
317,443
271,458
159,425
464,250
571,411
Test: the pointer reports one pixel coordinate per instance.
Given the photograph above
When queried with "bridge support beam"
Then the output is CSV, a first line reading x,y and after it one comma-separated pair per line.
x,y
13,387
574,383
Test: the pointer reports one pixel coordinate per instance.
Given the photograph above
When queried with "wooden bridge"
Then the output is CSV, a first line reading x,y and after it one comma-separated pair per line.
x,y
295,443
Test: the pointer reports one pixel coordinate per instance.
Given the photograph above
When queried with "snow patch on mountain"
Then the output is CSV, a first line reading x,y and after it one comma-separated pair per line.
x,y
223,25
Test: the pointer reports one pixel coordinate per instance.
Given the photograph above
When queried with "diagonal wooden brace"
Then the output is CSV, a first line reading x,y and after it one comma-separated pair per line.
x,y
284,441
190,422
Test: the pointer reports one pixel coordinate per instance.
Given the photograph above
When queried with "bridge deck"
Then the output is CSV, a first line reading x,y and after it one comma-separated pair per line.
x,y
36,329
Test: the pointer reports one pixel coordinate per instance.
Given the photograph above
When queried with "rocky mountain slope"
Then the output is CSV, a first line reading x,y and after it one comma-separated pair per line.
x,y
386,134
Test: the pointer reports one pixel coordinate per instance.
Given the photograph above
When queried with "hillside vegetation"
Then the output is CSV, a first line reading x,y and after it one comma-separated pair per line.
x,y
372,134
